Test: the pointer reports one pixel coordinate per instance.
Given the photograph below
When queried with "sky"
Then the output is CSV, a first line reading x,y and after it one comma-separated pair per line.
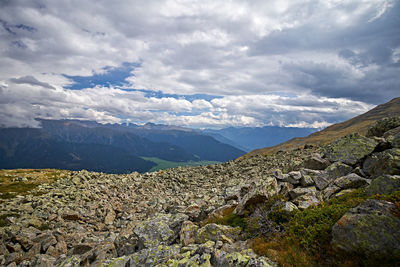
x,y
208,63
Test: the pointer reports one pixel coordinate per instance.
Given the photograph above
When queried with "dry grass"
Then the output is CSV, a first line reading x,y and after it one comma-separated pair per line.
x,y
359,124
23,181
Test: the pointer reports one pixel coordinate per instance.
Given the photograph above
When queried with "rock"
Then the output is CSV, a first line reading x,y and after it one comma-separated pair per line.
x,y
321,178
44,261
306,181
216,232
316,162
193,211
163,229
242,258
110,217
285,188
395,140
232,193
385,162
267,189
35,222
350,149
72,261
71,216
370,229
221,212
306,200
351,181
188,232
302,191
329,191
45,240
343,192
293,177
383,126
152,256
287,206
385,184
338,169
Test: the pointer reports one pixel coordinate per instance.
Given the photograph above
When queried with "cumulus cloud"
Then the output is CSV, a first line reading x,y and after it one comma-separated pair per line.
x,y
289,63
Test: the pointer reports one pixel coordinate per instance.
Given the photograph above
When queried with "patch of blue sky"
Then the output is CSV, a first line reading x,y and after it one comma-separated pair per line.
x,y
160,94
111,76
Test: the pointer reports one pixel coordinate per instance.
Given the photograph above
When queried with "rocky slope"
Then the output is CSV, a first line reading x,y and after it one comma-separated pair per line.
x,y
213,215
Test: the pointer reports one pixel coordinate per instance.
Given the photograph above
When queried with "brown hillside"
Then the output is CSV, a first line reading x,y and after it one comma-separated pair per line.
x,y
358,124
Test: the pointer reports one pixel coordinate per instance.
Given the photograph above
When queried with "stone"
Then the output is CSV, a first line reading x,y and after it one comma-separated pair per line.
x,y
329,191
215,232
284,188
152,256
338,169
350,149
383,126
316,162
385,162
46,240
306,200
71,216
321,178
306,181
287,206
302,191
162,229
293,177
44,261
110,217
351,181
384,184
370,229
188,232
262,192
193,211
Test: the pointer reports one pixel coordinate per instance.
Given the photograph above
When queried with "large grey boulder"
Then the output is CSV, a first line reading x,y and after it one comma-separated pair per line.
x,y
385,162
216,232
162,229
338,169
370,229
316,162
351,181
385,184
258,194
350,149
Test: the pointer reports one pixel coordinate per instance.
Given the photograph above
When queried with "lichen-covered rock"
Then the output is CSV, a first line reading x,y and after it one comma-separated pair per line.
x,y
338,169
316,162
329,191
383,126
216,232
385,184
351,181
302,191
240,259
188,232
350,149
321,178
394,141
385,162
267,188
307,200
370,229
163,229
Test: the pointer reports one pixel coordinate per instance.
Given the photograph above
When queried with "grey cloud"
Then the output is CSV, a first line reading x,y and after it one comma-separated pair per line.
x,y
31,81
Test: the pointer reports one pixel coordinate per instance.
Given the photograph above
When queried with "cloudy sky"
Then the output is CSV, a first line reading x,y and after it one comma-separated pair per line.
x,y
208,63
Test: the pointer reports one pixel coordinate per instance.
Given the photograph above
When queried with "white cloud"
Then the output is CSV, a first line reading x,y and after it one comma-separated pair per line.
x,y
272,62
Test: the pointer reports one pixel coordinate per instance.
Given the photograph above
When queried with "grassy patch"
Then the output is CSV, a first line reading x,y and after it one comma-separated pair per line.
x,y
165,164
307,236
23,181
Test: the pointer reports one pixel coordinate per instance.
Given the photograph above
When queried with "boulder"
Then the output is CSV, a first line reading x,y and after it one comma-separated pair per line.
x,y
338,169
321,178
260,193
384,184
385,162
188,232
329,191
351,181
383,126
295,193
306,200
395,140
162,229
370,229
350,149
292,177
316,162
216,232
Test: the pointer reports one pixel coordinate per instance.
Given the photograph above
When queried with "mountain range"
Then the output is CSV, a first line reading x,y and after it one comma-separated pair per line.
x,y
115,148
